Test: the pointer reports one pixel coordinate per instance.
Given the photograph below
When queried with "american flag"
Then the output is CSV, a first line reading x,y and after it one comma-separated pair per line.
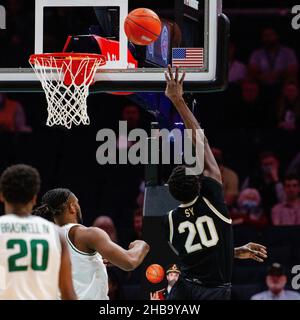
x,y
188,57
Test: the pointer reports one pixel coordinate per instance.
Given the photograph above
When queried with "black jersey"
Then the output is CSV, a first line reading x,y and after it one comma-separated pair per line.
x,y
200,233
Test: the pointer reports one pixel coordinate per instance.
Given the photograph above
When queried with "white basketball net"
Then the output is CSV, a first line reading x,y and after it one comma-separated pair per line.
x,y
66,84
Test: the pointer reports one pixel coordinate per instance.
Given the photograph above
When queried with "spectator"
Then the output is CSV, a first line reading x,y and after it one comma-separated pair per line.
x,y
288,112
12,116
229,177
267,181
287,213
105,223
237,70
274,62
249,210
276,280
172,275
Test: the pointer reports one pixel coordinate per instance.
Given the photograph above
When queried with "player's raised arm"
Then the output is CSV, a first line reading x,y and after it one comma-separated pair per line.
x,y
65,274
174,92
252,251
128,260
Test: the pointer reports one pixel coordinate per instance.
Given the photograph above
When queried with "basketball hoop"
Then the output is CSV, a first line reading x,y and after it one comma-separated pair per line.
x,y
66,78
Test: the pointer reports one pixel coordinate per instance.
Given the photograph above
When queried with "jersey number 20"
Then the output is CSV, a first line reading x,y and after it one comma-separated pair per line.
x,y
193,228
34,246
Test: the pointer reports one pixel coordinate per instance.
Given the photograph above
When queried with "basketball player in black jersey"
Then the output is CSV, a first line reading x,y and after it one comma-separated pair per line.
x,y
199,231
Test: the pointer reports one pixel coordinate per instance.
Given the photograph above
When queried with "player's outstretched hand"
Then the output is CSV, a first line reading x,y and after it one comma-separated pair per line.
x,y
174,88
251,250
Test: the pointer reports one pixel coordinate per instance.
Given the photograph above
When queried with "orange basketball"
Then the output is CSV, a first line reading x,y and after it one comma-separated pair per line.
x,y
142,26
155,273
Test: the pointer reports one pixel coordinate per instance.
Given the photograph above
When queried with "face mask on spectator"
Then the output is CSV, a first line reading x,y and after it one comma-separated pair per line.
x,y
249,205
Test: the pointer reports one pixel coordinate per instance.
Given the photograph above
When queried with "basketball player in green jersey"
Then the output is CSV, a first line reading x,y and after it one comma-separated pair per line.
x,y
34,258
88,246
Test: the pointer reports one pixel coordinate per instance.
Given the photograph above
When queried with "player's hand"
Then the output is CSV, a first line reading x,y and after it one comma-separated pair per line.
x,y
174,88
139,243
251,250
134,244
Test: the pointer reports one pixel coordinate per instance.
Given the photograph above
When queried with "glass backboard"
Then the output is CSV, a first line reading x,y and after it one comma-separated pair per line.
x,y
97,26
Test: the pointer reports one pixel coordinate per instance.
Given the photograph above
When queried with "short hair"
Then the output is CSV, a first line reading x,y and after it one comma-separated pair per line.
x,y
183,187
20,183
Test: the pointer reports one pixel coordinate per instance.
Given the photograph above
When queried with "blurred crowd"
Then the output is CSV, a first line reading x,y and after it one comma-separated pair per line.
x,y
263,109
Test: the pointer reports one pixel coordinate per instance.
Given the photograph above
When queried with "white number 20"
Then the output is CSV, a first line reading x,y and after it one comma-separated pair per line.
x,y
189,246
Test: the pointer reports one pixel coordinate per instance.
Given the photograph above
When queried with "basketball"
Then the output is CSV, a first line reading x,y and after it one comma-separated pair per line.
x,y
142,26
155,273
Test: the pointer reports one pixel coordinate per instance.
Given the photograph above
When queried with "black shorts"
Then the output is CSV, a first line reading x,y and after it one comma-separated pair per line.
x,y
188,290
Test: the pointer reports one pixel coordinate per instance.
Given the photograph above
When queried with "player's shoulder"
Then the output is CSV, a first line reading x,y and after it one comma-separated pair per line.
x,y
3,218
78,228
88,232
169,217
210,180
179,214
175,212
210,187
93,230
75,228
90,237
9,217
